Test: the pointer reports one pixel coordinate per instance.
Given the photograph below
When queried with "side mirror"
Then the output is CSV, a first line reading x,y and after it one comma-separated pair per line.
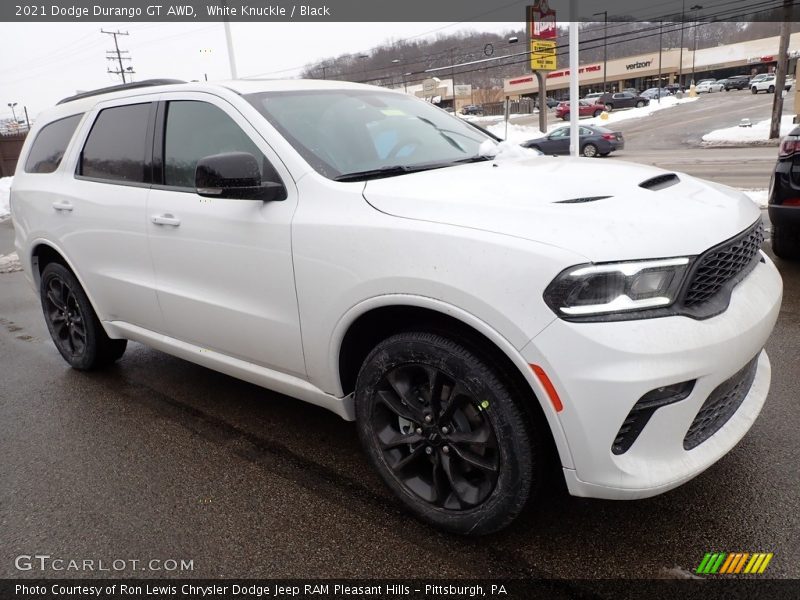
x,y
235,176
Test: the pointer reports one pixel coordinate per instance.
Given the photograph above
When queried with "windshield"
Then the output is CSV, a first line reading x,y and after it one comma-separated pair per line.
x,y
344,133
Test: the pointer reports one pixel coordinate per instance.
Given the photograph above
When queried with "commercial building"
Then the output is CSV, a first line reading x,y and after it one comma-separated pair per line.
x,y
645,70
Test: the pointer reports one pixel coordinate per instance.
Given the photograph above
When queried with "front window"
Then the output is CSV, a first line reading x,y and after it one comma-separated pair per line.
x,y
360,134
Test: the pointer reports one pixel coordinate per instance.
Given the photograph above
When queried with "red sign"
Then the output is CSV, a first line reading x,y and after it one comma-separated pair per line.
x,y
541,21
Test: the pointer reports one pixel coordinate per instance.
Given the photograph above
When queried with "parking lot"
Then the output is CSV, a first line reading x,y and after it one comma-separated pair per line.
x,y
158,458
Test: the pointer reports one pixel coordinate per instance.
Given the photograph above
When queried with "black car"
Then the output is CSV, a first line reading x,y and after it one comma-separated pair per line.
x,y
622,100
784,198
737,82
472,109
674,88
551,102
594,140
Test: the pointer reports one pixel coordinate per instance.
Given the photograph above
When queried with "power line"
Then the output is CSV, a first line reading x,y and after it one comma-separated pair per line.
x,y
110,55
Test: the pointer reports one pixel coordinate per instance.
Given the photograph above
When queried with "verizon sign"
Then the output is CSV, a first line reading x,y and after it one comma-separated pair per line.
x,y
639,64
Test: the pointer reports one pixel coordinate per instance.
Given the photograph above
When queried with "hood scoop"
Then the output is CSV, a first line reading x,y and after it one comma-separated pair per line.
x,y
581,200
659,182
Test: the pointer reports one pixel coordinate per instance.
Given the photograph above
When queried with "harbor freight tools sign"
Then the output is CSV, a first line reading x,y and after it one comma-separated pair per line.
x,y
542,35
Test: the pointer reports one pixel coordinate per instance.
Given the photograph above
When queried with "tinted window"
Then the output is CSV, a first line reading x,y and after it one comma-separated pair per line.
x,y
197,129
115,148
49,146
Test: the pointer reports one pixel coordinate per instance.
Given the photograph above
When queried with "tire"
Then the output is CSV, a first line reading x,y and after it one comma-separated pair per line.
x,y
609,107
74,327
589,150
597,113
754,89
639,104
565,117
771,89
786,242
495,475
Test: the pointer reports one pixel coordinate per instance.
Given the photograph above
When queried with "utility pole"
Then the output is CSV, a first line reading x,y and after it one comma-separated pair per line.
x,y
119,58
695,8
680,60
780,76
605,45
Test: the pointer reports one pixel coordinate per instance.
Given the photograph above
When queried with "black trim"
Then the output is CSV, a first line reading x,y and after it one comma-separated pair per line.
x,y
660,182
157,148
118,88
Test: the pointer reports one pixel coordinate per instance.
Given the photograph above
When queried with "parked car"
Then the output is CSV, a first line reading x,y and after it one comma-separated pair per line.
x,y
784,198
472,109
473,310
631,90
585,109
737,82
763,84
788,83
550,102
655,93
592,97
674,88
708,86
622,100
594,140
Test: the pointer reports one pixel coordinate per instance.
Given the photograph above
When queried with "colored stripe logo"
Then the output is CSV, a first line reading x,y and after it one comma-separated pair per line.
x,y
733,563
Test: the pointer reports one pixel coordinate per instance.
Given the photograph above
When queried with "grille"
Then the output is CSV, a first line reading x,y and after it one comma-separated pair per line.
x,y
727,262
720,406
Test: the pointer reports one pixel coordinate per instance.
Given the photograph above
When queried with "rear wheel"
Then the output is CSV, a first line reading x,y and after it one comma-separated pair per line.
x,y
609,107
754,89
446,434
771,89
597,113
72,322
565,116
589,151
786,241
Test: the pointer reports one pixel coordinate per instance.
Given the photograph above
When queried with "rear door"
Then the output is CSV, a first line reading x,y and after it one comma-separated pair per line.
x,y
101,212
223,267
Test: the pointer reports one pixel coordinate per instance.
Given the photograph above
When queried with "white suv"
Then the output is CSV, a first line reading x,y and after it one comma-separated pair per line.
x,y
475,308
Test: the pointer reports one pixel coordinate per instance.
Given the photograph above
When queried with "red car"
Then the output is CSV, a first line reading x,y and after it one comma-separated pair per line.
x,y
585,109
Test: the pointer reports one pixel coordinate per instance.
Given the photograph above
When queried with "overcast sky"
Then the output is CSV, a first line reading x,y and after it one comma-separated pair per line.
x,y
40,63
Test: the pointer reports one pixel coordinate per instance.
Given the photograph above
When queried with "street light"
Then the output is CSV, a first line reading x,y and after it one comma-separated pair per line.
x,y
695,8
680,59
11,105
605,44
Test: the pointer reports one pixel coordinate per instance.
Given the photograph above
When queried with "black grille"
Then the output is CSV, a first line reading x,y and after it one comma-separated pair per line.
x,y
720,406
728,262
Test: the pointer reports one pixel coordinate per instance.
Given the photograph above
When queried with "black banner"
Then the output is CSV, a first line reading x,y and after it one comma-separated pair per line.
x,y
388,10
367,589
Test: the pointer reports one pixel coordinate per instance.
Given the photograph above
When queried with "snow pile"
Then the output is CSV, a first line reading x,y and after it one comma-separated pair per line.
x,y
760,197
758,133
521,133
5,192
505,150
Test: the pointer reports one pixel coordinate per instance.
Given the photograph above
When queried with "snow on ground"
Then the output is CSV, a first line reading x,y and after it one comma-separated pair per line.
x,y
758,133
758,196
5,190
520,133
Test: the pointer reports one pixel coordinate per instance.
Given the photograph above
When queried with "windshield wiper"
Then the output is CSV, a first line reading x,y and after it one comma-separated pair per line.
x,y
390,171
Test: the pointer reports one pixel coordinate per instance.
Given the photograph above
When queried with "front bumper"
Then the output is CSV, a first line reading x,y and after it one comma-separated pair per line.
x,y
601,370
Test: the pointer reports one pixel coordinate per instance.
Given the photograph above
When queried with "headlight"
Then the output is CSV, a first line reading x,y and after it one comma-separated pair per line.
x,y
603,289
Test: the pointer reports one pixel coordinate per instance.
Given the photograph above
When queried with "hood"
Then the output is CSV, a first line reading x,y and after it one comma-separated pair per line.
x,y
595,207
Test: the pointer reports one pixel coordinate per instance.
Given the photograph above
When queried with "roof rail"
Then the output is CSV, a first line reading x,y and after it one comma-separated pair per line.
x,y
120,87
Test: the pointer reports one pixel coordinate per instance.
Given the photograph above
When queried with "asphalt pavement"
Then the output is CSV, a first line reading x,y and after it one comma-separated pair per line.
x,y
158,458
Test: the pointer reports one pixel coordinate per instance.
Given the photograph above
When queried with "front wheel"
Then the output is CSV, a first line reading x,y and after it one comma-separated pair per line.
x,y
597,113
72,322
754,90
565,116
771,89
639,104
609,107
445,433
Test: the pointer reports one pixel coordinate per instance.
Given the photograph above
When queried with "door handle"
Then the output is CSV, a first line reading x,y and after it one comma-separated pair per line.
x,y
63,206
166,219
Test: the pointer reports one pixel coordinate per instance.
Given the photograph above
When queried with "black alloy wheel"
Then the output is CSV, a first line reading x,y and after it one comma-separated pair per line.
x,y
445,434
72,322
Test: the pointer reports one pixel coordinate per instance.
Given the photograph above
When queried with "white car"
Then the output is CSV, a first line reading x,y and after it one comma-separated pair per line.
x,y
475,307
763,84
708,86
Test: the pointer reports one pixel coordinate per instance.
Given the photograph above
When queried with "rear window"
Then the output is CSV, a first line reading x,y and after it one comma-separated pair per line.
x,y
50,144
115,148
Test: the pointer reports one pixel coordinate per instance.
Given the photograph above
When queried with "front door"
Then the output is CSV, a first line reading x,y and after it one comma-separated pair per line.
x,y
223,267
